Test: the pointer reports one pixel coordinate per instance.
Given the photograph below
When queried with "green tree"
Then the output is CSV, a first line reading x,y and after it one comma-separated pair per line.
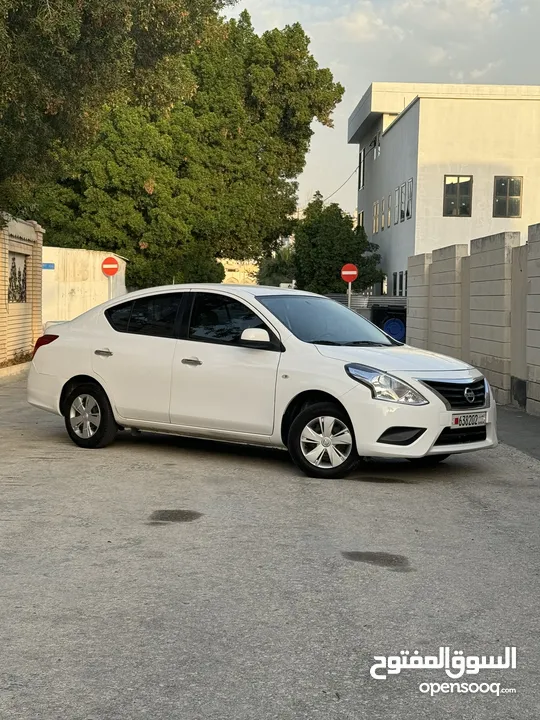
x,y
61,61
326,239
213,178
277,268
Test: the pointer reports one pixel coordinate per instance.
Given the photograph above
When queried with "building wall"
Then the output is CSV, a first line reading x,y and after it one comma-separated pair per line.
x,y
73,282
396,164
482,138
20,320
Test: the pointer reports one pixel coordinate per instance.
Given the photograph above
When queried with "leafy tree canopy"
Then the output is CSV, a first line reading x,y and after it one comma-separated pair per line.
x,y
277,268
61,61
326,239
214,177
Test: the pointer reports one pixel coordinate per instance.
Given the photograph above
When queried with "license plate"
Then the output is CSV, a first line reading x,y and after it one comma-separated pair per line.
x,y
468,420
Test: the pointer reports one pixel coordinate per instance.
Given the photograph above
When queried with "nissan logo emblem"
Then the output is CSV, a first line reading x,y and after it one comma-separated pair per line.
x,y
469,395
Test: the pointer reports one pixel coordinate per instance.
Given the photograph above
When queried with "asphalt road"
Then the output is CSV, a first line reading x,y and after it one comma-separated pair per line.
x,y
271,603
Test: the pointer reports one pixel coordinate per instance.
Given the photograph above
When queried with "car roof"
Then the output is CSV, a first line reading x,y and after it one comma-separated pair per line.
x,y
238,290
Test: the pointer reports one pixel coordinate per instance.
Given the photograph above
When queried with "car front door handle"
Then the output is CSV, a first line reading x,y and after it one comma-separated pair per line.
x,y
103,353
191,361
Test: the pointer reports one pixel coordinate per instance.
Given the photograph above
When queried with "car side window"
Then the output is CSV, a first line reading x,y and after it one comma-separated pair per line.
x,y
221,319
154,315
119,315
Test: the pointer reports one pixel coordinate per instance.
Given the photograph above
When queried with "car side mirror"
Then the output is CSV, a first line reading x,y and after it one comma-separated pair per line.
x,y
255,337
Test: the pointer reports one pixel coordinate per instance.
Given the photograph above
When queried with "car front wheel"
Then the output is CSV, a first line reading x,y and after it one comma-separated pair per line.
x,y
321,442
89,417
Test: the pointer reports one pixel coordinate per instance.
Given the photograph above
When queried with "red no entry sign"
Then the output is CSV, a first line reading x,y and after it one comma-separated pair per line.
x,y
349,273
110,266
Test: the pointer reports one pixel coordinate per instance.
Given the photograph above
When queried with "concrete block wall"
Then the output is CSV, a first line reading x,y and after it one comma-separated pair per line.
x,y
445,300
533,321
490,309
418,275
483,308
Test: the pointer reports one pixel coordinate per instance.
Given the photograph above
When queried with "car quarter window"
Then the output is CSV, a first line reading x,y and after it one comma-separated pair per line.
x,y
154,315
119,315
221,319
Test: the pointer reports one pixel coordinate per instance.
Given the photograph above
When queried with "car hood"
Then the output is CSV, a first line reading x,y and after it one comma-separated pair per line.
x,y
402,358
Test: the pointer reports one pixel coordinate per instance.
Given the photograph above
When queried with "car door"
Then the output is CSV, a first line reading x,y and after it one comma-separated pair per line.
x,y
217,384
133,354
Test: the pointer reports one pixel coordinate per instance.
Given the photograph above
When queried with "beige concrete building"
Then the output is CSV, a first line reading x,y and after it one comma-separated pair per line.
x,y
440,164
239,272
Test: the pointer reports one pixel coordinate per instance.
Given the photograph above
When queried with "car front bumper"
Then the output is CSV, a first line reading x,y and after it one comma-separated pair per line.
x,y
372,418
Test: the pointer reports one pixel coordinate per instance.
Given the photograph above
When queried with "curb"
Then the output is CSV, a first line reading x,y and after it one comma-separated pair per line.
x,y
14,370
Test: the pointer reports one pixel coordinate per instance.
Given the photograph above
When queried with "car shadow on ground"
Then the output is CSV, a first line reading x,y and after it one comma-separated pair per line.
x,y
370,470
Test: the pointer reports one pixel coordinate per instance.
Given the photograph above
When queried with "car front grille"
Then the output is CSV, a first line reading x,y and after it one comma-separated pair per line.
x,y
449,436
455,393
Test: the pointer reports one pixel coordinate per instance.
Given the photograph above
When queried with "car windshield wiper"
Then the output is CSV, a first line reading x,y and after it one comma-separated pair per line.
x,y
324,342
365,343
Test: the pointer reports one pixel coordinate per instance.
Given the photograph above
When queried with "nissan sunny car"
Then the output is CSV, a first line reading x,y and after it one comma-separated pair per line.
x,y
261,366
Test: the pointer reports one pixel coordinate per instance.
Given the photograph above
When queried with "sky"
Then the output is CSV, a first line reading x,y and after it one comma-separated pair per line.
x,y
365,41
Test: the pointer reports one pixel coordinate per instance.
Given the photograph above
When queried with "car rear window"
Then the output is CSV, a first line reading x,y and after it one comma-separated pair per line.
x,y
154,315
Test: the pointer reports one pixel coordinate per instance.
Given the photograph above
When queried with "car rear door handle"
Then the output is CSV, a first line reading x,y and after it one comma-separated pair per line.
x,y
191,361
103,353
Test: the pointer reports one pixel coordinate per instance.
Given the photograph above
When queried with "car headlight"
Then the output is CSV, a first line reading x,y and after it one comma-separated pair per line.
x,y
385,387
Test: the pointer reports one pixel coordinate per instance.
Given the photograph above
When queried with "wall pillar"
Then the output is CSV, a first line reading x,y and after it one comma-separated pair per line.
x,y
533,321
445,300
418,300
490,309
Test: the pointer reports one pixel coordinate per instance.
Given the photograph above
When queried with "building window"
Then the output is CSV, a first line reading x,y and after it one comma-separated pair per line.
x,y
402,202
408,214
362,169
361,219
406,282
383,214
17,278
396,206
400,293
457,196
375,221
394,284
507,197
389,209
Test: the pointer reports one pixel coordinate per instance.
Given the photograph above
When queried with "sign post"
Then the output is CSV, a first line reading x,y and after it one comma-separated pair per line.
x,y
349,273
109,267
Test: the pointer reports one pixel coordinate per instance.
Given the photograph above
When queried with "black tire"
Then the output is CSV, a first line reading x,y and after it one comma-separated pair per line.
x,y
103,434
428,461
295,445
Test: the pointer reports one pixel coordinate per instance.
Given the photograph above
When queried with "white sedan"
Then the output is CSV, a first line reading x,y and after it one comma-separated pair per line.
x,y
262,366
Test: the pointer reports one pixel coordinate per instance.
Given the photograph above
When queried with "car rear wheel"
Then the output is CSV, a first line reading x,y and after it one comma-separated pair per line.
x,y
321,442
428,460
89,418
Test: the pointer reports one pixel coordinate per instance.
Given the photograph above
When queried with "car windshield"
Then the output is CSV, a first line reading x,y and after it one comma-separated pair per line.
x,y
321,321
